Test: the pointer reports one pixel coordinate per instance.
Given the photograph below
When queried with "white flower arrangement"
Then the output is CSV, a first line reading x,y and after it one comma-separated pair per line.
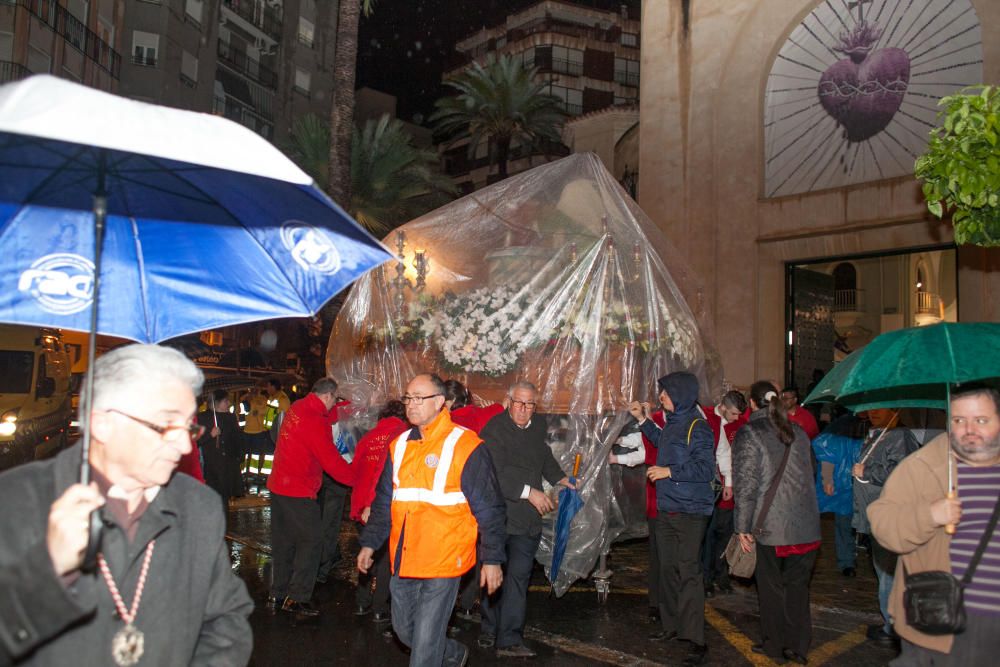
x,y
482,331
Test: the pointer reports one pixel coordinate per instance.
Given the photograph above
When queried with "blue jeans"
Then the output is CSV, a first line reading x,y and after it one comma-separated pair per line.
x,y
420,612
885,566
843,536
504,612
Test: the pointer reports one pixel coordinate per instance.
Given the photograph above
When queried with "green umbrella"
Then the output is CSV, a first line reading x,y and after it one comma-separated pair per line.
x,y
913,367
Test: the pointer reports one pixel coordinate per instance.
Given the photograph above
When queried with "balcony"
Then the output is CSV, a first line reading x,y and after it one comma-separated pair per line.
x,y
562,66
12,71
256,13
144,61
848,308
630,79
55,16
241,63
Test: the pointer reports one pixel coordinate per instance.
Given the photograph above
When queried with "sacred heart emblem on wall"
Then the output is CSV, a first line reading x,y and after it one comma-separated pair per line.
x,y
852,95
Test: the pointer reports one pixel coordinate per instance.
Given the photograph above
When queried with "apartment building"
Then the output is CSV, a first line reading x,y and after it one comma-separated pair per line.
x,y
587,57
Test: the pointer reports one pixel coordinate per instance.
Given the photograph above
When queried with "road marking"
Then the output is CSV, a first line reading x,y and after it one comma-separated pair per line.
x,y
588,651
737,639
841,644
583,589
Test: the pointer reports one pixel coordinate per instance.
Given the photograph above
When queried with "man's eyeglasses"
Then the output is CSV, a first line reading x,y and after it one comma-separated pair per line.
x,y
523,405
417,400
194,429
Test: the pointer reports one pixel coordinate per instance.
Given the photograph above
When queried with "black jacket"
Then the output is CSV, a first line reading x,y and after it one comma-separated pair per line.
x,y
521,456
193,610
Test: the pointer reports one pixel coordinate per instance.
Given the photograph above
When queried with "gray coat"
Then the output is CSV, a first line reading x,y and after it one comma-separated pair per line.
x,y
193,610
757,453
897,444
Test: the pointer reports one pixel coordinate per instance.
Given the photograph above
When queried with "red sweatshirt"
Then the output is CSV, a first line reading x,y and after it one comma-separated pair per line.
x,y
369,459
474,417
305,450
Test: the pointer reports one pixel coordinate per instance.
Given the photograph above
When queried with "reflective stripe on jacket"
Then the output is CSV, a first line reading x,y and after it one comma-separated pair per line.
x,y
430,513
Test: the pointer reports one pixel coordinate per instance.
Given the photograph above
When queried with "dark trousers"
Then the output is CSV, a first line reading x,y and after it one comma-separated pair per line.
x,y
331,503
978,645
682,591
783,594
720,529
469,590
504,612
420,612
295,532
653,581
377,597
843,540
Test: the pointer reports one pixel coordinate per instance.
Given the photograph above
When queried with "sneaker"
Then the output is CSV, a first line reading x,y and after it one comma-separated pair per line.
x,y
662,636
362,610
486,640
273,604
303,609
381,617
794,656
849,572
515,651
465,614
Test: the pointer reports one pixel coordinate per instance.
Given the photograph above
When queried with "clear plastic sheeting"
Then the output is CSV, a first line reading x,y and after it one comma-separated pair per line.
x,y
554,276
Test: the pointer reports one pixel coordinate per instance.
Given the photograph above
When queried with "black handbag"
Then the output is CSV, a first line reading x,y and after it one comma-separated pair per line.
x,y
934,601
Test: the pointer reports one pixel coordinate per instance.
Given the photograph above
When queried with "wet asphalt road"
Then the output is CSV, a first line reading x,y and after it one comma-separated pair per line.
x,y
573,630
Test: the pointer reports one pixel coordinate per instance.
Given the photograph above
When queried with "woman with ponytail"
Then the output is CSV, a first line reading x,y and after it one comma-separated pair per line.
x,y
772,450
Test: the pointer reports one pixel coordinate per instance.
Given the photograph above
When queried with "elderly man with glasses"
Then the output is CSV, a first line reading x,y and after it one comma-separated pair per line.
x,y
516,440
162,553
436,490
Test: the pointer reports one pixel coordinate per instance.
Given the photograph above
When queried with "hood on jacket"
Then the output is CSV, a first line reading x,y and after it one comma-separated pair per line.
x,y
682,388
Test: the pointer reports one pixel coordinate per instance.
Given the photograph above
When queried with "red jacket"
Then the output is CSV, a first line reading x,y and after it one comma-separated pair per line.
x,y
190,463
651,450
305,450
715,421
804,418
369,459
474,417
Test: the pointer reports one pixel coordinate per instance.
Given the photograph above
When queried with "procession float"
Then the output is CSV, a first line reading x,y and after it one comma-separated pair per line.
x,y
554,276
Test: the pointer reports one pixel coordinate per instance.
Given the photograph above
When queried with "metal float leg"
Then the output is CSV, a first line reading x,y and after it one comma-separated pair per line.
x,y
602,579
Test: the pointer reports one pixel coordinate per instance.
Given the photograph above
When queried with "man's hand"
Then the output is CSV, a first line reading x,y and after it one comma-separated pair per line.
x,y
565,482
828,488
365,559
215,432
638,410
727,493
69,526
946,511
858,470
491,576
365,513
746,542
612,459
540,501
657,472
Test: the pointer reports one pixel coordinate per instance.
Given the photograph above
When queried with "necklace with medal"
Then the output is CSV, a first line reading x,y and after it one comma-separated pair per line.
x,y
128,643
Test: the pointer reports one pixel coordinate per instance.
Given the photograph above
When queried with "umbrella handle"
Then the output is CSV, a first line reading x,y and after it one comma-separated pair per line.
x,y
576,465
950,528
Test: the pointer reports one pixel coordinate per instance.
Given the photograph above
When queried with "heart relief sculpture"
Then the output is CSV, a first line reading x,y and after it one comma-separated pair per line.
x,y
863,91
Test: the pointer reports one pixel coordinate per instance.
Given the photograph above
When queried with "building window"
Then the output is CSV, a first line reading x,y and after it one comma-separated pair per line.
x,y
145,48
627,72
629,39
303,81
307,32
527,57
571,98
193,10
7,46
501,42
39,62
846,296
189,69
625,101
567,61
76,23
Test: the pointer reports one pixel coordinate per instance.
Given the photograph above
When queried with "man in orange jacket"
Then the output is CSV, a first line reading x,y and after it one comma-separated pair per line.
x,y
438,487
304,452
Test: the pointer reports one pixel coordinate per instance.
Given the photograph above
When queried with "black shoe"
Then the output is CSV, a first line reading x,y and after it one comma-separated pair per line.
x,y
381,617
654,615
362,610
300,609
486,641
877,633
515,651
794,656
273,604
465,614
662,636
709,591
849,572
696,655
321,579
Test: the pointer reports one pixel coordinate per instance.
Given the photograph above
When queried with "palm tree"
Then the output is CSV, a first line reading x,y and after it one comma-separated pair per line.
x,y
345,61
392,180
499,102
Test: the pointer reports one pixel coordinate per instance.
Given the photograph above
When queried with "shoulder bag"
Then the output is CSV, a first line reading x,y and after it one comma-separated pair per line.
x,y
743,563
933,601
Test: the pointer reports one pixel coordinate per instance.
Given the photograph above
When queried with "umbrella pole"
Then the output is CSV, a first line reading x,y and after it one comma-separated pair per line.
x,y
950,528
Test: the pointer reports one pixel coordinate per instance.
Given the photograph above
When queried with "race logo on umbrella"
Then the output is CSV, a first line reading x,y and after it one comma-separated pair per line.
x,y
310,248
62,283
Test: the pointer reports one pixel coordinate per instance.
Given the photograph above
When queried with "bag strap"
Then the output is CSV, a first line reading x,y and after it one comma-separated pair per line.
x,y
772,491
987,534
691,428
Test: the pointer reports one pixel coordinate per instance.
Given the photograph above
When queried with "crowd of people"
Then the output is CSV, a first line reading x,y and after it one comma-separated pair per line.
x,y
450,496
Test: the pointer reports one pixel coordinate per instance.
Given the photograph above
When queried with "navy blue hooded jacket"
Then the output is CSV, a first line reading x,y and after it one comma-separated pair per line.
x,y
692,464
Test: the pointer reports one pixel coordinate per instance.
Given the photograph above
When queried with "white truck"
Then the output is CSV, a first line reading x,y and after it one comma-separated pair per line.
x,y
35,406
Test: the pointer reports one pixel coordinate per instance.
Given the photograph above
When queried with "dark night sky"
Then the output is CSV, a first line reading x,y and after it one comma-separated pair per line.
x,y
405,45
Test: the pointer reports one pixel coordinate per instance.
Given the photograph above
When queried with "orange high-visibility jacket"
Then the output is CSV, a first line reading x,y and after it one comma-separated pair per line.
x,y
429,509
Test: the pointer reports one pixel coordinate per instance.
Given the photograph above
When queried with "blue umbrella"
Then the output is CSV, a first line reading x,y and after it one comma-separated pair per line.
x,y
178,221
570,503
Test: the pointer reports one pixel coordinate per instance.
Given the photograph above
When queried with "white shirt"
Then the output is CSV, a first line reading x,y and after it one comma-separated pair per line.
x,y
724,452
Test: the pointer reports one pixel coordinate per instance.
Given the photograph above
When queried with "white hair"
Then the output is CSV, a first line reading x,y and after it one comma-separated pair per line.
x,y
138,369
522,384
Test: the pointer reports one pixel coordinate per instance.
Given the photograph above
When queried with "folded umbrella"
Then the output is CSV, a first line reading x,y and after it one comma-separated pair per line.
x,y
570,503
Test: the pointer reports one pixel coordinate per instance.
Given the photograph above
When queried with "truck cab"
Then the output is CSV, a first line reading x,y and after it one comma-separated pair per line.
x,y
35,408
